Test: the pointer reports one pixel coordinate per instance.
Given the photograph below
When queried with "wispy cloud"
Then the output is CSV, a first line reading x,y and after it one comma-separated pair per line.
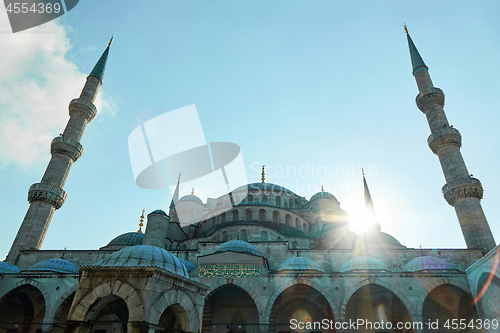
x,y
37,81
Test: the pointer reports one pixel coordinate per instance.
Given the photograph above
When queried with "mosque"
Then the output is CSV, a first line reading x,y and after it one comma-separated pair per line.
x,y
273,262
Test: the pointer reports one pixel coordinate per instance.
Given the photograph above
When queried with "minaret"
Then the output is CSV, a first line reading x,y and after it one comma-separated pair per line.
x,y
48,195
175,199
369,205
461,191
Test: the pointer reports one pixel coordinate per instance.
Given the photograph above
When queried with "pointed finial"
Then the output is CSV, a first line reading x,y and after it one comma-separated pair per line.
x,y
406,30
322,189
141,224
111,40
179,179
363,172
192,191
263,174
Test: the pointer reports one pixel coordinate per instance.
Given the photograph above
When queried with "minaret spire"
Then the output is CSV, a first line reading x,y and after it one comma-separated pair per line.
x,y
369,203
175,198
48,195
462,191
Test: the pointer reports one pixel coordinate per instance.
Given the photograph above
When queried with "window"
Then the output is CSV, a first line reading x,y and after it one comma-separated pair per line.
x,y
250,197
262,215
297,224
288,220
224,236
235,215
278,201
223,218
263,236
264,198
243,235
290,203
304,228
248,215
295,245
276,217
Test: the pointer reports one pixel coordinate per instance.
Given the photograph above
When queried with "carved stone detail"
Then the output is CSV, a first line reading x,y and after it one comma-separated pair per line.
x,y
83,107
432,98
67,146
444,137
462,188
48,193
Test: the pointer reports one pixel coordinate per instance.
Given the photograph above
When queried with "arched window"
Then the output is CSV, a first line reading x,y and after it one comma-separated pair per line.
x,y
278,201
248,215
288,220
235,215
264,198
262,215
295,245
250,197
297,224
223,218
305,229
224,236
263,236
290,203
276,217
213,221
243,235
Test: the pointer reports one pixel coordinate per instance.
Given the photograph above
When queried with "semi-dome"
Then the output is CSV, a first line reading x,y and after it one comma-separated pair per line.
x,y
56,265
145,256
129,238
323,195
362,263
158,211
191,197
299,264
8,268
239,246
188,264
427,263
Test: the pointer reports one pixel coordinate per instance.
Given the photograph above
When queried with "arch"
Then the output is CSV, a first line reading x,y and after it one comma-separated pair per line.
x,y
262,215
116,288
224,236
40,287
278,201
288,220
60,312
290,203
264,198
250,197
235,215
488,300
170,297
295,245
243,235
276,217
248,215
223,218
297,223
387,286
436,283
314,285
305,228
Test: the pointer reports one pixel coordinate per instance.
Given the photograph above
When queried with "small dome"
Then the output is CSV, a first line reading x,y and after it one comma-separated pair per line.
x,y
191,197
427,263
145,256
188,264
129,238
362,264
8,268
323,195
55,265
158,211
239,246
299,264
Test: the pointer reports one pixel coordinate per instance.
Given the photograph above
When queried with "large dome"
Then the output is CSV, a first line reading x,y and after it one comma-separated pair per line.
x,y
129,238
362,264
299,264
264,186
8,268
239,246
145,256
427,263
55,265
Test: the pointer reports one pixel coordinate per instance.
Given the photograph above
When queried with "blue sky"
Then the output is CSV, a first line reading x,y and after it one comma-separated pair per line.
x,y
296,84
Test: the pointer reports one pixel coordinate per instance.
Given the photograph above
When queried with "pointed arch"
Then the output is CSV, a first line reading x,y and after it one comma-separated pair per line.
x,y
170,297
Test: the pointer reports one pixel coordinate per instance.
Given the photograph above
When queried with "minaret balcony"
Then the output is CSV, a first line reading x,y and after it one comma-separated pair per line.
x,y
444,137
462,188
82,107
66,146
54,195
436,97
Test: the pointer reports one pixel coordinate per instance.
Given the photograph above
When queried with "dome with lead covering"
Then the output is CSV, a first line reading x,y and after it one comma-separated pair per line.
x,y
56,265
427,263
158,211
191,197
129,238
188,264
145,256
239,246
323,195
8,268
299,264
363,263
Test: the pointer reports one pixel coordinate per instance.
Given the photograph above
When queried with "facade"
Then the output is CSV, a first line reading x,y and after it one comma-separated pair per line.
x,y
271,263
